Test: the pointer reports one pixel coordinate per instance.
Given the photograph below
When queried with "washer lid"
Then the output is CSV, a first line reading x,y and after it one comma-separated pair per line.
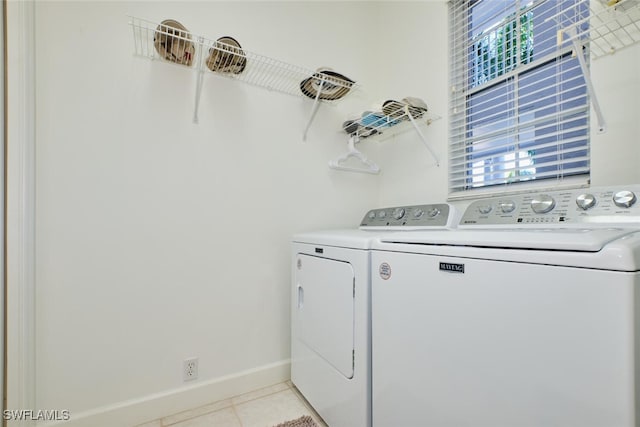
x,y
575,240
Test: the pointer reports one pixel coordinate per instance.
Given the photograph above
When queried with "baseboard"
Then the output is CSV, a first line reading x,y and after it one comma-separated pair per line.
x,y
137,411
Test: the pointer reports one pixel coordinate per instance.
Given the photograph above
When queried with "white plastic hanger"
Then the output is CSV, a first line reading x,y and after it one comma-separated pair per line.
x,y
368,166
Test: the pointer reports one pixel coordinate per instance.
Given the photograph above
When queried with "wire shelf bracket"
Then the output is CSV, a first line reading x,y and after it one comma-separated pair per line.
x,y
607,27
579,52
230,61
421,135
314,110
199,83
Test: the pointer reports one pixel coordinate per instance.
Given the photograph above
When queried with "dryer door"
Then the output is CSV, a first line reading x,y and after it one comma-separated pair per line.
x,y
325,309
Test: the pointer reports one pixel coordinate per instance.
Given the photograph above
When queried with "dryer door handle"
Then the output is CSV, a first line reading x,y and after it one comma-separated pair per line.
x,y
300,296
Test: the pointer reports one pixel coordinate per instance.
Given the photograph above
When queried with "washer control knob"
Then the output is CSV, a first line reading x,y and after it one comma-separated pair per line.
x,y
398,213
543,203
433,212
418,212
624,199
507,207
485,209
382,214
371,215
586,201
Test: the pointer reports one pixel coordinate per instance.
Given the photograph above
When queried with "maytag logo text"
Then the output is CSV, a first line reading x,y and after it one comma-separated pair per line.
x,y
453,268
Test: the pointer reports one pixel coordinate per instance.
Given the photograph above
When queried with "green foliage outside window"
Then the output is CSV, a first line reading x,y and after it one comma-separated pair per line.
x,y
496,50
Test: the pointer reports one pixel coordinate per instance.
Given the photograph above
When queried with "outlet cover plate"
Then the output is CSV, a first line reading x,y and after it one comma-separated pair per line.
x,y
190,369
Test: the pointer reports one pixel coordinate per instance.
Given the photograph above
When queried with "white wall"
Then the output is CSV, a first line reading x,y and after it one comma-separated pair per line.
x,y
615,154
158,239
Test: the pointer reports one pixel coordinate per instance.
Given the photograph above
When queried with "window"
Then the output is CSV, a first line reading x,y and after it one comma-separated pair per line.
x,y
519,107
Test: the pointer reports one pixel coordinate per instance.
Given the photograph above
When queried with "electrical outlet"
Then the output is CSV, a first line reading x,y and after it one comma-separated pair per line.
x,y
190,369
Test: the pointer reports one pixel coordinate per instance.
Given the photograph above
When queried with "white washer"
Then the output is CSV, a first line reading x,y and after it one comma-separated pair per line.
x,y
527,315
330,311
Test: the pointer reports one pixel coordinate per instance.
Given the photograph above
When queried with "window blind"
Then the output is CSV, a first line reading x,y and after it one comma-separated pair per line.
x,y
519,106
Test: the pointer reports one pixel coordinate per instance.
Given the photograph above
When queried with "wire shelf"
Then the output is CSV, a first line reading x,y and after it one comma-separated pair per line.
x,y
380,126
607,25
226,59
395,118
615,27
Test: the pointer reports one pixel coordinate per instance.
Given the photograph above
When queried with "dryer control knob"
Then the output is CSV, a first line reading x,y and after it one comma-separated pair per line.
x,y
372,215
485,209
507,207
624,199
418,212
543,203
586,201
398,213
433,212
382,214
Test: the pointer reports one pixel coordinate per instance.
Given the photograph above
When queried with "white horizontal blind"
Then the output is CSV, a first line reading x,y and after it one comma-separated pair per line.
x,y
519,108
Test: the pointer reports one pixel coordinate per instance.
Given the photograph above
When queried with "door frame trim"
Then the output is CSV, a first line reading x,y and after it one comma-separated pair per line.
x,y
20,123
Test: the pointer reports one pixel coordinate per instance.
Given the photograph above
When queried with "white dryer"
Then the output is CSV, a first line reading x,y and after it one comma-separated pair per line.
x,y
527,315
330,311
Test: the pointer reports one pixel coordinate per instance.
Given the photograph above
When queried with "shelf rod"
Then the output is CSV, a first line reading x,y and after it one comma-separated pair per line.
x,y
579,50
314,110
424,140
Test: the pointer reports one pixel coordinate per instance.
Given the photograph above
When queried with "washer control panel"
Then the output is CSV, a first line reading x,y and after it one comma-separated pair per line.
x,y
595,205
433,215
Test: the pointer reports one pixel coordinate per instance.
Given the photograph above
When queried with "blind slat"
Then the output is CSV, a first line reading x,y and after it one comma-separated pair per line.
x,y
539,125
511,180
519,107
528,161
502,123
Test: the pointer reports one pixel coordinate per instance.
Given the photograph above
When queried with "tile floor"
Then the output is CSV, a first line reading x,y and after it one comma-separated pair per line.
x,y
266,407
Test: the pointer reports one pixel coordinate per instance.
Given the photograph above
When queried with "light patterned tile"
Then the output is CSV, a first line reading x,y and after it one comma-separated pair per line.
x,y
222,418
256,394
313,412
271,410
196,412
319,421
